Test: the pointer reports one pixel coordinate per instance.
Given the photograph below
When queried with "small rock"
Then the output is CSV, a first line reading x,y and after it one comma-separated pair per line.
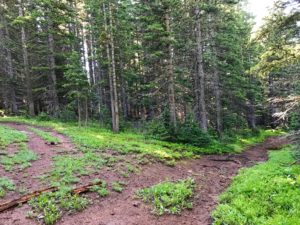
x,y
112,213
136,204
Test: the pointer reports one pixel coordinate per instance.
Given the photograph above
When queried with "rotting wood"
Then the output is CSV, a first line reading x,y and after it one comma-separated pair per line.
x,y
21,200
226,160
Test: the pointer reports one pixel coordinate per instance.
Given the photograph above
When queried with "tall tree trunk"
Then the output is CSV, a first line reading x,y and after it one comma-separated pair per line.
x,y
272,107
216,76
170,72
79,109
9,88
200,76
54,108
110,54
111,92
250,114
90,58
4,79
113,72
29,95
124,91
12,94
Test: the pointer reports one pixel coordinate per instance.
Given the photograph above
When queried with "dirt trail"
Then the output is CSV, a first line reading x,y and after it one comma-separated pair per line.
x,y
28,179
213,173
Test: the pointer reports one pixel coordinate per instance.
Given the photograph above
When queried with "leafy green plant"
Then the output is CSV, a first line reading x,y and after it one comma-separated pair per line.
x,y
117,186
47,136
101,189
190,133
9,136
265,194
22,158
52,205
6,185
67,168
169,197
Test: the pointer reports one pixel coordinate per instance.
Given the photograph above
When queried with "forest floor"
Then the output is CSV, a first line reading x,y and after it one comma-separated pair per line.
x,y
212,174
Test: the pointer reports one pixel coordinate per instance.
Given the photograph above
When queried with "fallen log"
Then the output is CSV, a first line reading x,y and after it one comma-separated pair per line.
x,y
227,160
21,200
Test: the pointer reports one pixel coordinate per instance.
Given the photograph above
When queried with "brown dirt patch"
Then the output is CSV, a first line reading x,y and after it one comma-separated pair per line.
x,y
28,179
212,173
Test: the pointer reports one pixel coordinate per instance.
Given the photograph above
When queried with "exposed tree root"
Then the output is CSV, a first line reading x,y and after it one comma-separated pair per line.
x,y
15,202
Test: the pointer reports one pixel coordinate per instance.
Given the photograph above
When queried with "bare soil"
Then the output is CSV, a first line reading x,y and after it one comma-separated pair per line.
x,y
212,173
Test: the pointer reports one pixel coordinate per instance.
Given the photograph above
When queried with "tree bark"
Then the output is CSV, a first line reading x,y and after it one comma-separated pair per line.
x,y
216,76
124,91
29,95
250,114
170,72
54,107
12,94
200,76
115,103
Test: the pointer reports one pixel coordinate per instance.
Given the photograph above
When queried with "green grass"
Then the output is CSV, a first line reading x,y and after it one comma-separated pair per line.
x,y
9,136
247,139
67,168
117,186
6,185
50,207
169,197
100,189
97,138
266,194
47,136
21,158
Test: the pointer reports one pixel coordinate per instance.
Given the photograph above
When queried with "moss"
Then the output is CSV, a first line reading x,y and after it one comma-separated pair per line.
x,y
268,193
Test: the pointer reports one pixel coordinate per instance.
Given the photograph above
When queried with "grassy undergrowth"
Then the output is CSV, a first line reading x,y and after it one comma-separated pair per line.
x,y
96,138
5,186
47,136
67,168
9,136
169,197
50,207
266,194
21,158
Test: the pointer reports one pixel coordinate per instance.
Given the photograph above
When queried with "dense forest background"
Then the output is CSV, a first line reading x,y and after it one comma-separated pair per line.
x,y
178,69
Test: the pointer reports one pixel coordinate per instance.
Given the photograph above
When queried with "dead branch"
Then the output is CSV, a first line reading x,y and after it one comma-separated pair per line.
x,y
21,200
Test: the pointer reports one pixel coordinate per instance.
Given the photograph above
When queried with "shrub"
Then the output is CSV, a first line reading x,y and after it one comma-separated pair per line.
x,y
50,206
190,133
157,129
68,114
169,197
295,121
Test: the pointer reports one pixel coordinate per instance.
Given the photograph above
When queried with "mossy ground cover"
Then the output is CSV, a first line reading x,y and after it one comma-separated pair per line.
x,y
9,136
49,207
22,157
169,197
98,147
266,194
5,186
47,136
94,137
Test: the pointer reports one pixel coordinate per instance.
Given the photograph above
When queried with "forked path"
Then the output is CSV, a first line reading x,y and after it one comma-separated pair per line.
x,y
212,173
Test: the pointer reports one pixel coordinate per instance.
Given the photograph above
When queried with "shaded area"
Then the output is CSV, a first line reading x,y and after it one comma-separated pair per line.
x,y
212,174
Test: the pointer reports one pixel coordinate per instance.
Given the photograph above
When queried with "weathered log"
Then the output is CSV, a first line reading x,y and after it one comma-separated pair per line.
x,y
227,160
21,200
